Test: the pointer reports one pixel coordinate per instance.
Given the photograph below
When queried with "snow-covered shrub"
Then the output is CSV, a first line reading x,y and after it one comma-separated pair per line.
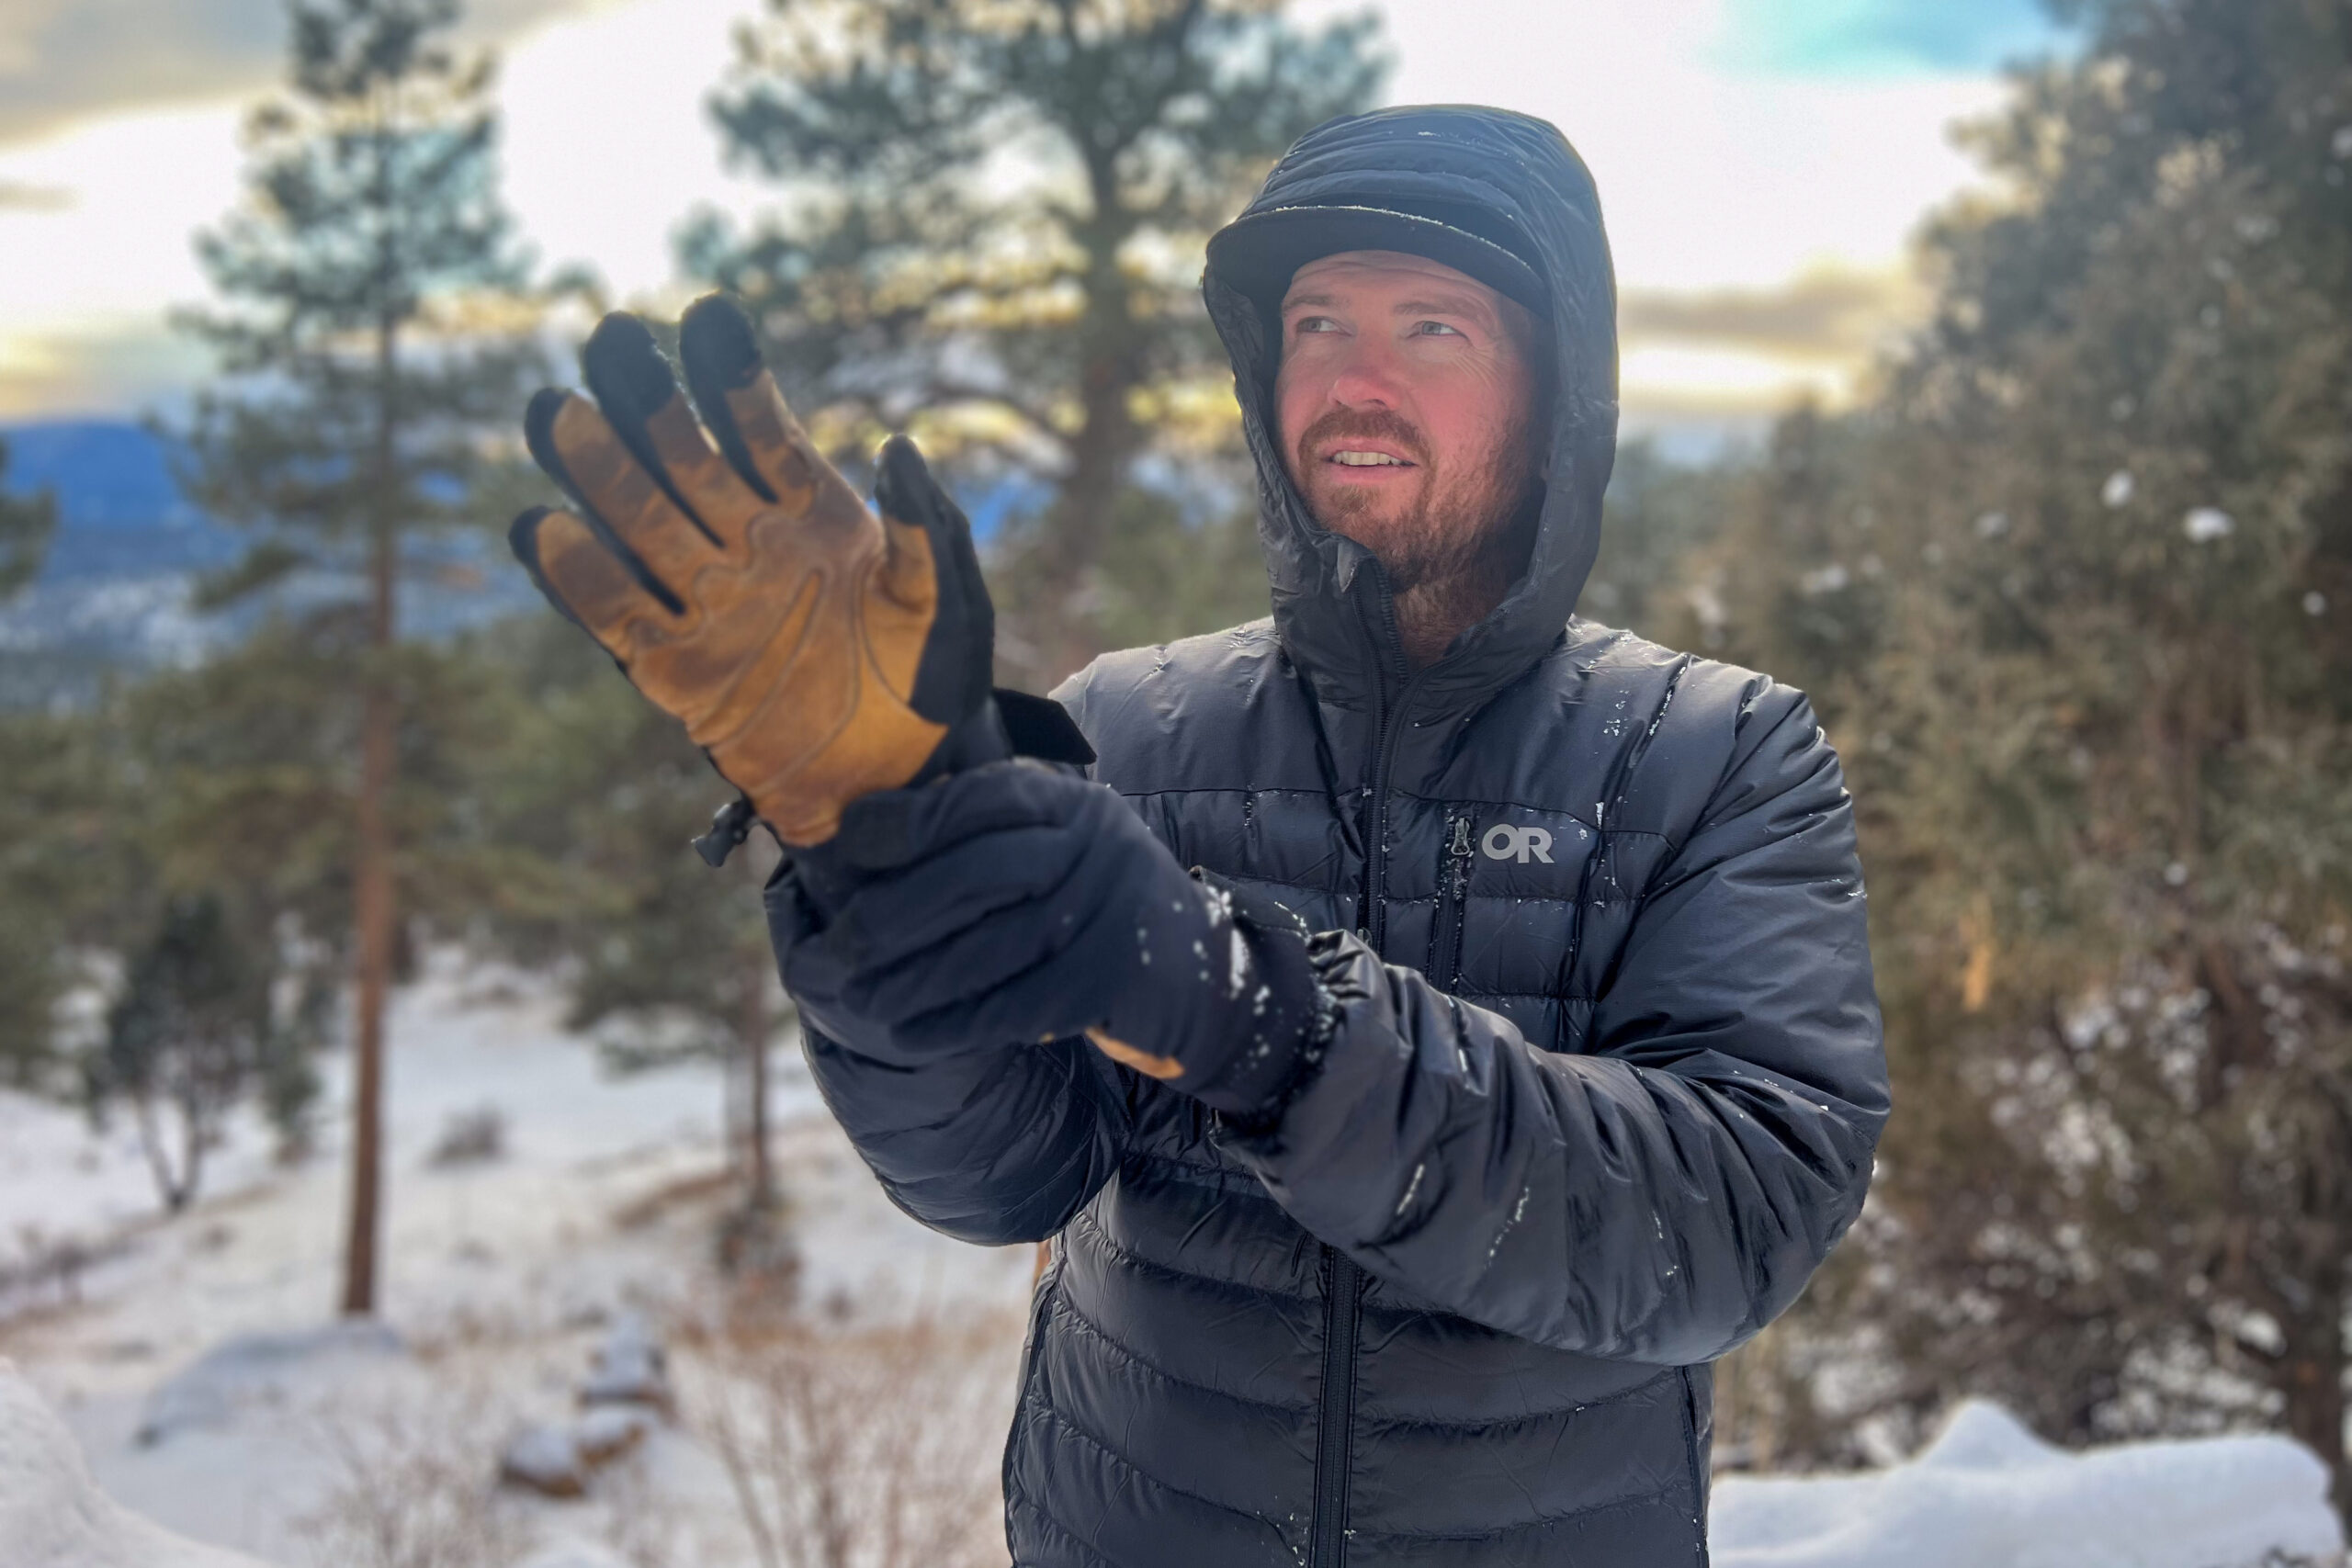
x,y
470,1137
861,1446
414,1488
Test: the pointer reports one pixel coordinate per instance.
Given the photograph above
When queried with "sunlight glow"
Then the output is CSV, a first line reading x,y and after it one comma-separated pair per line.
x,y
1716,176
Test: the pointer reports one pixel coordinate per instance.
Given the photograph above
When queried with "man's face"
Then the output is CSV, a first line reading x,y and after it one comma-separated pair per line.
x,y
1404,402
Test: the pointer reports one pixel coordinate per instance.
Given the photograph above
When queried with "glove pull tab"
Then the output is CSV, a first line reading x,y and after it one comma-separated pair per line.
x,y
729,827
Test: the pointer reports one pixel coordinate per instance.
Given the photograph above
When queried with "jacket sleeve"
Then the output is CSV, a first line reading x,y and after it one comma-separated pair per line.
x,y
1662,1197
995,1145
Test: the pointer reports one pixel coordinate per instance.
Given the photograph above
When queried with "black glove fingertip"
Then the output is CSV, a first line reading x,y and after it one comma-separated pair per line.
x,y
719,345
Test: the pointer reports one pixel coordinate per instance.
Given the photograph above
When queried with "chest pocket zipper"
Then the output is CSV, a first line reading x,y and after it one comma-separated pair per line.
x,y
1453,896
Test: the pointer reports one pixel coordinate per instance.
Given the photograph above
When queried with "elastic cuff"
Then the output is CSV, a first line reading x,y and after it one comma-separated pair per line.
x,y
1278,1034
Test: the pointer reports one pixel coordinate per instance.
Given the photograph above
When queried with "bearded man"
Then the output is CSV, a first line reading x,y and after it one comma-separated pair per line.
x,y
1508,1051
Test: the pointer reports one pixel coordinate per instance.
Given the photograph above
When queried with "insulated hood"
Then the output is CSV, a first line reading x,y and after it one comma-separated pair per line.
x,y
1518,178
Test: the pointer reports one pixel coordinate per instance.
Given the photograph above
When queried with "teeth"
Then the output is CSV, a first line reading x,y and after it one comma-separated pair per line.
x,y
1367,460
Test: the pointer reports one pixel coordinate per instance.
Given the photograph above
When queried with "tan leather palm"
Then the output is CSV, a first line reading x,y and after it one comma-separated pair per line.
x,y
792,649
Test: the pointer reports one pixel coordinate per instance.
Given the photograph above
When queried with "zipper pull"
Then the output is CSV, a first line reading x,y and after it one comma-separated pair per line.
x,y
1461,838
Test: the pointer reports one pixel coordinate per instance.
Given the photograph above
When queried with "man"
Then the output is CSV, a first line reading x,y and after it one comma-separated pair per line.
x,y
1513,1053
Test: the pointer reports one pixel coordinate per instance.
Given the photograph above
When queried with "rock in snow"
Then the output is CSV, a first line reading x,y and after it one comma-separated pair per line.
x,y
629,1368
250,1370
1990,1492
54,1516
558,1460
547,1460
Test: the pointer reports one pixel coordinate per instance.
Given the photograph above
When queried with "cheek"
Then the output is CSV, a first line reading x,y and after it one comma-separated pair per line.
x,y
1476,410
1294,409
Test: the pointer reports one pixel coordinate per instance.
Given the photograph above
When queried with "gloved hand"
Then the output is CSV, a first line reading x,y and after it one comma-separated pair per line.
x,y
815,651
1013,903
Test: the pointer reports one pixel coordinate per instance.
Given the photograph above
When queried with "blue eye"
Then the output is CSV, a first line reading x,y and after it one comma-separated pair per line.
x,y
1433,327
1316,324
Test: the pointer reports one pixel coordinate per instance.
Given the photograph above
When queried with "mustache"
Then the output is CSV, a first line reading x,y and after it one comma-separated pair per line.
x,y
1371,424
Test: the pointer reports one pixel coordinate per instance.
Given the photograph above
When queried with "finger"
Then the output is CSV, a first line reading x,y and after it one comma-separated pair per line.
x,y
583,577
633,385
957,665
538,433
1023,968
580,449
901,917
1035,1004
1143,1062
738,401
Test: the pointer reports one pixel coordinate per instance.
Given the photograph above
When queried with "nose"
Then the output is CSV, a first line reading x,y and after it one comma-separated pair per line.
x,y
1367,376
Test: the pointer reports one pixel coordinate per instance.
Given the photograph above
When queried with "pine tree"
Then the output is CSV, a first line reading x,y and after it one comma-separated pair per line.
x,y
596,793
995,230
26,524
2074,597
367,274
31,938
185,1040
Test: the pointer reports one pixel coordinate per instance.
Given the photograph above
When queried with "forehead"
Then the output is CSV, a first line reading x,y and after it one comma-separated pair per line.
x,y
1389,274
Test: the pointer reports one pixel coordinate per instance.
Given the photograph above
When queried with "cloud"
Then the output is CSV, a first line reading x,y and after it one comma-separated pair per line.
x,y
24,196
66,61
107,365
1827,316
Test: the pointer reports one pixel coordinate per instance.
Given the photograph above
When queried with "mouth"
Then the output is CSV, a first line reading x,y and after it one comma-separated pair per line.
x,y
1366,459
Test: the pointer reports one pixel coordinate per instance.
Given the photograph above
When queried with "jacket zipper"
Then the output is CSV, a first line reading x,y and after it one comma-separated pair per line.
x,y
1374,925
1342,1296
1335,1437
1452,895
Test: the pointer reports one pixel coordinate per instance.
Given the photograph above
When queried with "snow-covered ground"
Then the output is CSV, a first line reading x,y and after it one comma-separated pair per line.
x,y
1988,1494
197,1365
213,1334
54,1516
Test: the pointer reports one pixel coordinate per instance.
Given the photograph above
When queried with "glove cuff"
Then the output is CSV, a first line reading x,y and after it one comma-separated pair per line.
x,y
1279,1027
1010,724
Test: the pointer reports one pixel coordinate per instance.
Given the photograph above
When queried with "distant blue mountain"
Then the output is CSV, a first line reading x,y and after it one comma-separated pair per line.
x,y
115,592
119,510
107,474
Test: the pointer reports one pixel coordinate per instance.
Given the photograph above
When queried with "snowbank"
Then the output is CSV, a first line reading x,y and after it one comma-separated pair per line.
x,y
54,1516
1990,1492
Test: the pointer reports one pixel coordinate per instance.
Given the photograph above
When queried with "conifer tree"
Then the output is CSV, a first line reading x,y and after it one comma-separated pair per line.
x,y
360,391
184,1040
29,934
26,523
994,230
597,793
2073,600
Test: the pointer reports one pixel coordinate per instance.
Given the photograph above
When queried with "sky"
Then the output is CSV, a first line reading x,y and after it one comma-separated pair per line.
x,y
1763,165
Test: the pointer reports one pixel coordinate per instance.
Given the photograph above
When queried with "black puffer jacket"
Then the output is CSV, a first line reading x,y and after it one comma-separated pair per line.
x,y
1603,1092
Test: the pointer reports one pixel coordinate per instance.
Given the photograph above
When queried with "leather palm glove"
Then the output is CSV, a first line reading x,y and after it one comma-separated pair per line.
x,y
814,650
1014,903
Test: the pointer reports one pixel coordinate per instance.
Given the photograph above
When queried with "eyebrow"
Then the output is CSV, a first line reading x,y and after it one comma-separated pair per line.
x,y
1447,305
1434,305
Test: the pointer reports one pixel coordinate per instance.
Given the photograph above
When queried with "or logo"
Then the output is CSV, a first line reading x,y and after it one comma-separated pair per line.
x,y
1504,841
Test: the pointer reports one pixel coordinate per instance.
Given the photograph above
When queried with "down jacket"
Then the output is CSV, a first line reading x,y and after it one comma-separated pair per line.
x,y
1607,1075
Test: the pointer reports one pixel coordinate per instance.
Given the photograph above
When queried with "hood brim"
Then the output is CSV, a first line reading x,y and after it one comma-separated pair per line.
x,y
1259,253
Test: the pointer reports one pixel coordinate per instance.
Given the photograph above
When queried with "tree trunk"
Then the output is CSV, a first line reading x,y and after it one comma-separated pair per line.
x,y
751,1027
2311,1377
374,913
159,1159
1111,366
